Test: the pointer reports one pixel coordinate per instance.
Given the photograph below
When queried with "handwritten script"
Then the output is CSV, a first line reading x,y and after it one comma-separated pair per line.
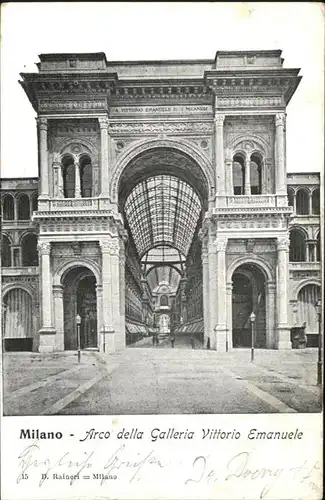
x,y
199,469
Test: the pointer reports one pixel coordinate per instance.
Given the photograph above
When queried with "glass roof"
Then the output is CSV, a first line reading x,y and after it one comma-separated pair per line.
x,y
162,210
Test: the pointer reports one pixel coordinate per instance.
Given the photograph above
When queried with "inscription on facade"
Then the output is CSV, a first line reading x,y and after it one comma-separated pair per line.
x,y
160,110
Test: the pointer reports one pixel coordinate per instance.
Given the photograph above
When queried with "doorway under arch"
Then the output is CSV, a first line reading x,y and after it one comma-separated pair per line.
x,y
80,297
248,295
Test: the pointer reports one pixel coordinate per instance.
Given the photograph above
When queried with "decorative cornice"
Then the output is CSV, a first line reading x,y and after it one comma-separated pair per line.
x,y
248,101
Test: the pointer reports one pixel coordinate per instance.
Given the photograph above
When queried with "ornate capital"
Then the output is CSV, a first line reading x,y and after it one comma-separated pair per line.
x,y
280,119
42,123
271,287
44,248
109,247
57,291
283,243
218,120
221,243
103,122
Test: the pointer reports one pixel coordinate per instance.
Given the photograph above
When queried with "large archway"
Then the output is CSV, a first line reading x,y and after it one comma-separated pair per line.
x,y
248,295
162,194
80,297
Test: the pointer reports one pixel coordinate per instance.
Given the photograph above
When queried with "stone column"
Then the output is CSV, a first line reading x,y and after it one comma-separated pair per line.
x,y
280,154
77,189
229,176
283,330
219,155
205,275
115,292
104,167
221,330
247,174
212,253
229,313
47,331
58,317
310,204
43,155
270,314
294,203
100,321
121,340
107,331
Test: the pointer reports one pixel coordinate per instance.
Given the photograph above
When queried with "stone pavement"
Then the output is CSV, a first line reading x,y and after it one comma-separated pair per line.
x,y
161,381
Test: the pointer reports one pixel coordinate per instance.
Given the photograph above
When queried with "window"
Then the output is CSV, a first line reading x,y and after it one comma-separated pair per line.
x,y
256,174
238,174
23,207
291,197
315,202
29,250
5,251
8,210
318,248
34,202
86,177
163,301
68,175
302,202
297,250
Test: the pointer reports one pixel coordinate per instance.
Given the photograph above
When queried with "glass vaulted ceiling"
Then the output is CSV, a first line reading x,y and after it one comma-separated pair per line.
x,y
162,213
162,210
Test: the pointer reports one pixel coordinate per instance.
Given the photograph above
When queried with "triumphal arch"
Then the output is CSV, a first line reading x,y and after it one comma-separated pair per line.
x,y
162,198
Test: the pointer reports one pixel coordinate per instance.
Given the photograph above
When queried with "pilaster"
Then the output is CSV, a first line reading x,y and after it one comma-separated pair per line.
x,y
219,156
221,329
280,154
104,167
283,330
47,332
43,154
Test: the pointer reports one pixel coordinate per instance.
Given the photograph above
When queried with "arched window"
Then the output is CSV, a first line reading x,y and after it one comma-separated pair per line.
x,y
302,202
34,202
297,250
8,210
29,250
291,197
318,248
5,251
315,202
164,301
256,174
23,207
86,180
68,175
238,174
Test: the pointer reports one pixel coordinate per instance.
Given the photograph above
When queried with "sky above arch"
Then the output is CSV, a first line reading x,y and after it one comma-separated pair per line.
x,y
133,31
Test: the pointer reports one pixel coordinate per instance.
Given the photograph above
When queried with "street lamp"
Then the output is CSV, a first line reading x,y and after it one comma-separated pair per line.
x,y
318,307
78,322
252,320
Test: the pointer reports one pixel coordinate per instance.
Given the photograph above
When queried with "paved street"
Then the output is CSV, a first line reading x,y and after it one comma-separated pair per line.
x,y
161,380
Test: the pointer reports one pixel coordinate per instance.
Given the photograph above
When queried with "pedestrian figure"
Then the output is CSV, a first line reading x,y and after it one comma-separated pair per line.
x,y
192,342
153,339
172,340
208,343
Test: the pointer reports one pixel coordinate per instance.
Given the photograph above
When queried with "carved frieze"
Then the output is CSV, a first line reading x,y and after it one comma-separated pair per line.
x,y
160,128
248,101
48,105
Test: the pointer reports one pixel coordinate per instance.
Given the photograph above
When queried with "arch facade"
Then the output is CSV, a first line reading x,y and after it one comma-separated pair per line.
x,y
140,147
